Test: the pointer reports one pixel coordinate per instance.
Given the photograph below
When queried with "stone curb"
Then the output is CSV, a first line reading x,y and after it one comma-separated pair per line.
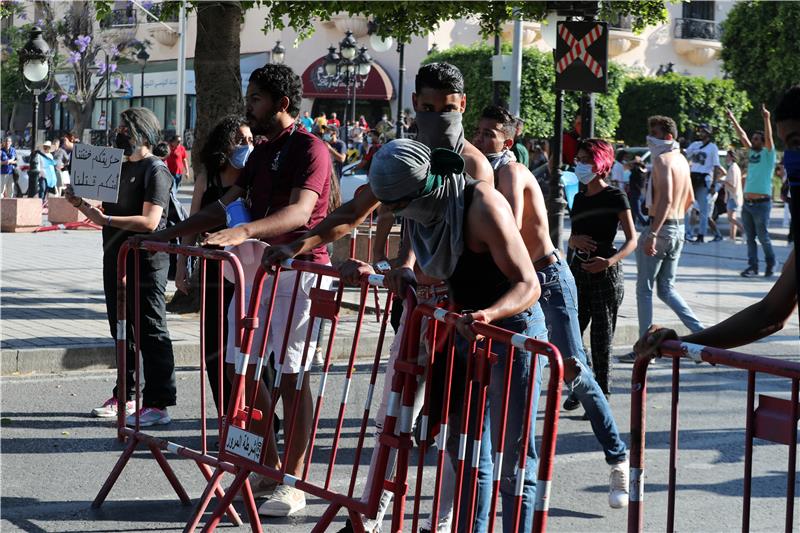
x,y
103,357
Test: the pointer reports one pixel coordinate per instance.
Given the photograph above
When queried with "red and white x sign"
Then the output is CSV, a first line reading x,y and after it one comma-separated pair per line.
x,y
578,50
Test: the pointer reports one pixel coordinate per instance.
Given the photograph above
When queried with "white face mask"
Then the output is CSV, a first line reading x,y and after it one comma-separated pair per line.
x,y
660,146
584,172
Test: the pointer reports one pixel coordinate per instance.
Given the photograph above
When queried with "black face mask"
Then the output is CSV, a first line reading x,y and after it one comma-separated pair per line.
x,y
123,142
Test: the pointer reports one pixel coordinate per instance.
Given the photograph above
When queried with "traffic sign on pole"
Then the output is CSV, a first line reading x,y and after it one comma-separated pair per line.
x,y
582,56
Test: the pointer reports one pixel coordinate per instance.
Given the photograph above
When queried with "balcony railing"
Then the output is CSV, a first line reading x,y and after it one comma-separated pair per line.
x,y
119,18
697,29
156,10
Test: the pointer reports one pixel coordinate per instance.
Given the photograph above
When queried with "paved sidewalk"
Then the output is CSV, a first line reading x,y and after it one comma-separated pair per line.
x,y
53,314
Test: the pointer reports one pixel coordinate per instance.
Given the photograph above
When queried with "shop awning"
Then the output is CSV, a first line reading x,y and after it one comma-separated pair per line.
x,y
378,85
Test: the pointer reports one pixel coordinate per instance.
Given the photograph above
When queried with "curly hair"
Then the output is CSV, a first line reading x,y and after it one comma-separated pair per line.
x,y
665,124
602,155
279,81
222,140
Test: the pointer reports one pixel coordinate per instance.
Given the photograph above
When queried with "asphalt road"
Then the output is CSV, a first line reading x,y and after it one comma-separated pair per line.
x,y
55,457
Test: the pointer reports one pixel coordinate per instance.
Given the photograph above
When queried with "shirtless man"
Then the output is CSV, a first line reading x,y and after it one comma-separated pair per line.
x,y
661,241
481,254
495,137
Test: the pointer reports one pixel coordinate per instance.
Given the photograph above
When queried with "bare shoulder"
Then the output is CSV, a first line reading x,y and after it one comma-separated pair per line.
x,y
487,201
476,165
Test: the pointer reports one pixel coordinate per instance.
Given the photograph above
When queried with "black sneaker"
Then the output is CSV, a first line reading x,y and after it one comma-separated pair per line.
x,y
716,238
749,272
629,357
348,527
768,273
571,403
697,240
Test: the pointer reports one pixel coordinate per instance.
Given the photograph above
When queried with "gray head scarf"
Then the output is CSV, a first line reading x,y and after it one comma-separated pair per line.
x,y
434,183
500,159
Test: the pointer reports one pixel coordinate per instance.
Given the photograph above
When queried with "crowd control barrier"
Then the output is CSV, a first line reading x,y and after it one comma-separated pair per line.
x,y
481,356
775,420
135,436
244,451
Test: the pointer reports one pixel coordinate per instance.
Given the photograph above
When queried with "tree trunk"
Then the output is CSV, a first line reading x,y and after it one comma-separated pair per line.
x,y
218,80
82,115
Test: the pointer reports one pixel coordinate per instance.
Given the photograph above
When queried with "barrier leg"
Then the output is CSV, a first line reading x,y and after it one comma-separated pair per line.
x,y
219,493
205,499
673,443
748,450
216,516
638,419
327,517
115,473
792,461
173,479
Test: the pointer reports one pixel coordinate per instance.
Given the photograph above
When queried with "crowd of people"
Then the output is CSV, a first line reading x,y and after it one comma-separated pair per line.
x,y
475,235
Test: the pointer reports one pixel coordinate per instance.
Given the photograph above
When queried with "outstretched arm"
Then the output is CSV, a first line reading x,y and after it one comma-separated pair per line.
x,y
739,131
769,143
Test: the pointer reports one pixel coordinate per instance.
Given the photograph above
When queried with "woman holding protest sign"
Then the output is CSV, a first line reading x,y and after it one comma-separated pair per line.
x,y
142,207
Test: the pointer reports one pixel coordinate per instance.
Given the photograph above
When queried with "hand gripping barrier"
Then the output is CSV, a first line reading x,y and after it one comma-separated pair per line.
x,y
245,450
480,358
774,419
135,435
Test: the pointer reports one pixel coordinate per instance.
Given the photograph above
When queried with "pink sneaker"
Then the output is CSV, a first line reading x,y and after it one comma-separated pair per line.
x,y
109,409
149,416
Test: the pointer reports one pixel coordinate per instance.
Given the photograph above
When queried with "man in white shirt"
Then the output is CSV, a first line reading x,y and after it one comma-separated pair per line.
x,y
704,163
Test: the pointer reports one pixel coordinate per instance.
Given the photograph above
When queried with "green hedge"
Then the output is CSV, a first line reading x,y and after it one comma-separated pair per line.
x,y
687,99
537,98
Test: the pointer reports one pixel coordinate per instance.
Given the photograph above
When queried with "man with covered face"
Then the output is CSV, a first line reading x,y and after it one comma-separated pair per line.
x,y
463,231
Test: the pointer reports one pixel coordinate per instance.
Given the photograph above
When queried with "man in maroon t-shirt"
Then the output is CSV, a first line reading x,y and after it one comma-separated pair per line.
x,y
177,161
287,181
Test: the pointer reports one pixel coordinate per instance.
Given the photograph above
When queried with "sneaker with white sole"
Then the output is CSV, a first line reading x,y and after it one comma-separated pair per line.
x,y
283,502
110,408
261,486
149,416
618,486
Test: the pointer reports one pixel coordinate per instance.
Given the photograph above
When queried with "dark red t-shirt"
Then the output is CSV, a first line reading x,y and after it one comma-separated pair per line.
x,y
175,160
272,172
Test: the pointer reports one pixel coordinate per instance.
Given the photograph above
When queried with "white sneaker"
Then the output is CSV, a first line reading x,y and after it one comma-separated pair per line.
x,y
283,502
109,409
261,486
618,486
149,416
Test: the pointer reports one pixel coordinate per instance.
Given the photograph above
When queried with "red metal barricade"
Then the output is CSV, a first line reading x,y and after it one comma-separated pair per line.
x,y
240,460
775,420
135,435
480,358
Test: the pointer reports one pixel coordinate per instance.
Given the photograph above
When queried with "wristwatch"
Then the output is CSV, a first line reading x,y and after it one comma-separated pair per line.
x,y
383,266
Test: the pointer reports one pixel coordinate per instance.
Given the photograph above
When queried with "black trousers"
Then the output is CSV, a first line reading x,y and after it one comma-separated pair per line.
x,y
215,309
599,298
156,347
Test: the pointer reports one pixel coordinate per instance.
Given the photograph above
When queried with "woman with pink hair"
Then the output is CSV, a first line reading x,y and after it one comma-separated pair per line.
x,y
596,263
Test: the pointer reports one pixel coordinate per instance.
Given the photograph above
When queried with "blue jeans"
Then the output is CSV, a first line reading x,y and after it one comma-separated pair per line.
x,y
559,302
702,201
755,218
661,270
176,180
531,323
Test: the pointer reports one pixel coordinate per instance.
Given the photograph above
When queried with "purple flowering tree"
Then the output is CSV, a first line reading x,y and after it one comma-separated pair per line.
x,y
87,52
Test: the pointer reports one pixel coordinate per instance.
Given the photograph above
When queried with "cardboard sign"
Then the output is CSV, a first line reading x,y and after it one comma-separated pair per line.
x,y
95,172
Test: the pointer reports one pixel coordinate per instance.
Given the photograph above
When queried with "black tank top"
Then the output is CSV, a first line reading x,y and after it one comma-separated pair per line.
x,y
477,282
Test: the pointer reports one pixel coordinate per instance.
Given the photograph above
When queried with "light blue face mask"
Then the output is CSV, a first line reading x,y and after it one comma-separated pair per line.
x,y
584,173
239,156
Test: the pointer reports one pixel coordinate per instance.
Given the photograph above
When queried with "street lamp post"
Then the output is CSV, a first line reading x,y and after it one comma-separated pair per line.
x,y
142,58
344,68
35,63
278,53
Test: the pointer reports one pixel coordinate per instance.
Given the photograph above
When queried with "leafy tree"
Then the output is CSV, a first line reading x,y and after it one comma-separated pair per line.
x,y
761,52
687,99
76,48
536,95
